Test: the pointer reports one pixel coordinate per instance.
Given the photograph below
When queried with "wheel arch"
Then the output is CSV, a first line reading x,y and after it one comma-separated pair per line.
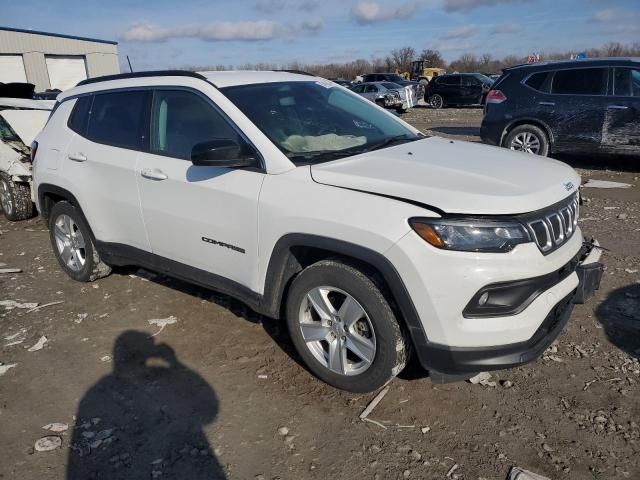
x,y
529,121
49,195
295,251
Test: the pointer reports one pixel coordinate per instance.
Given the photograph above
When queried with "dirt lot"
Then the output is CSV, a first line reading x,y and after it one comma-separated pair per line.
x,y
159,379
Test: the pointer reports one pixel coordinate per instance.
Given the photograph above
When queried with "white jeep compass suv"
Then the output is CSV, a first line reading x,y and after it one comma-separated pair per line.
x,y
310,203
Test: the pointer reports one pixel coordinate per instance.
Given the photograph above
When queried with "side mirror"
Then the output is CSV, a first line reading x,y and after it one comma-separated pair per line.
x,y
223,153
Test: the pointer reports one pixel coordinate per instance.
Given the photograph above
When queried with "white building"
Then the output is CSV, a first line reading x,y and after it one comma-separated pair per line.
x,y
53,61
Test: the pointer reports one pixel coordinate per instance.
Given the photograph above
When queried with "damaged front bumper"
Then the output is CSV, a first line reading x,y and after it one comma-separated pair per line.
x,y
447,364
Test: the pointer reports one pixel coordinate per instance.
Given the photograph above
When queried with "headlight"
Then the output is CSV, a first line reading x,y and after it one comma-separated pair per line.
x,y
471,235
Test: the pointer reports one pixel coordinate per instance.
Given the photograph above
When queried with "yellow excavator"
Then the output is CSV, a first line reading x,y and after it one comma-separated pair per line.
x,y
422,72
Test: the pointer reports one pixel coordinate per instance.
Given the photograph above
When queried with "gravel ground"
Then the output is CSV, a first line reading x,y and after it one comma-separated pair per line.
x,y
142,376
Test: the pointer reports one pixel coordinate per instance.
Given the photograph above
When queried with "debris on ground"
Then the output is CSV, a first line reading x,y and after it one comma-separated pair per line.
x,y
283,431
56,427
5,368
162,322
39,345
48,443
484,379
377,399
16,338
10,270
517,473
11,304
34,309
605,184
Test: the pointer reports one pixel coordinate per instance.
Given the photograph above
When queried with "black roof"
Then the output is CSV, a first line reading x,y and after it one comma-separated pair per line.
x,y
598,61
60,35
150,73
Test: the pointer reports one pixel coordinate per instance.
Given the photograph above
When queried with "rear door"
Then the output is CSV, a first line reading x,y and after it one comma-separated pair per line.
x,y
621,131
449,88
576,108
100,164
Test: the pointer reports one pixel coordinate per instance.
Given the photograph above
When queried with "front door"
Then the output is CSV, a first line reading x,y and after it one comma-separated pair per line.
x,y
621,131
470,90
201,216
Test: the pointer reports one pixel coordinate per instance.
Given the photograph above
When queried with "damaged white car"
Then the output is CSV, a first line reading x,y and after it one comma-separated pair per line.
x,y
20,121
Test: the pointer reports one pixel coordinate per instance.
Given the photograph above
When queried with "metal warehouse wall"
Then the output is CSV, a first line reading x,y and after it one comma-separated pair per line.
x,y
101,58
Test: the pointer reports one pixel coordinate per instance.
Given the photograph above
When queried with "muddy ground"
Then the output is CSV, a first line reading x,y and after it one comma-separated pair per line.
x,y
159,379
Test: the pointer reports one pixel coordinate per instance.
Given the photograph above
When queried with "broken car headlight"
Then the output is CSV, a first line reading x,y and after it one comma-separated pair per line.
x,y
471,235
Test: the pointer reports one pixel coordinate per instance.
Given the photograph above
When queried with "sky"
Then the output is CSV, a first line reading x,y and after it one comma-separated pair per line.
x,y
163,34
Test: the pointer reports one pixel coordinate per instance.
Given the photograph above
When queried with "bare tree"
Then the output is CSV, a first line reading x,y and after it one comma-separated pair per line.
x,y
401,58
433,57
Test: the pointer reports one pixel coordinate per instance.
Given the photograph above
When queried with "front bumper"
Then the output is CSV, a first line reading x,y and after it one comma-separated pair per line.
x,y
454,362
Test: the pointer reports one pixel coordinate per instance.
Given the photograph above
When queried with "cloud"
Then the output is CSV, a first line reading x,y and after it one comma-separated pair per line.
x,y
313,25
506,28
212,32
465,31
366,12
460,5
608,15
271,7
617,21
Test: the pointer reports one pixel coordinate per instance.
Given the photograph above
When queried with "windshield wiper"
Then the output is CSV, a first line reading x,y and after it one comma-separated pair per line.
x,y
387,142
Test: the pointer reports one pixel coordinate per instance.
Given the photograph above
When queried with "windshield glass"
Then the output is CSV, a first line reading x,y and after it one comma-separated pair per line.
x,y
315,121
394,77
483,78
391,86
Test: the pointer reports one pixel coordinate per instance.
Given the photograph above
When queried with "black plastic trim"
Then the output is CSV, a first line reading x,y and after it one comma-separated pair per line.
x,y
516,295
58,35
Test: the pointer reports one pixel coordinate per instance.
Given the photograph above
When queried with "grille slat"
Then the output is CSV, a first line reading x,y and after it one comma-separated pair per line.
x,y
553,227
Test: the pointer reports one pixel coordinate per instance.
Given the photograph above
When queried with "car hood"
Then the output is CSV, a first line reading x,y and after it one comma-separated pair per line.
x,y
454,177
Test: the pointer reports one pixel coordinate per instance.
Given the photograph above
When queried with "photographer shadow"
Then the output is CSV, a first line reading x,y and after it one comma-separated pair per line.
x,y
619,315
145,419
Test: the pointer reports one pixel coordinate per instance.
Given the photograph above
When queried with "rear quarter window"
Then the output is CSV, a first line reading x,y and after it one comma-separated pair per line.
x,y
538,81
580,81
80,115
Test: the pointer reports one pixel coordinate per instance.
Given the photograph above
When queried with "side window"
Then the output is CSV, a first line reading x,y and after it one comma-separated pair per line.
x,y
538,81
469,81
80,115
580,81
358,88
451,80
370,89
626,82
117,119
180,120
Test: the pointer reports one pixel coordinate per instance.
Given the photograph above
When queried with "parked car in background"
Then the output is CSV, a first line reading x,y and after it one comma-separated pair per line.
x,y
468,256
417,88
342,82
21,119
386,95
458,89
569,106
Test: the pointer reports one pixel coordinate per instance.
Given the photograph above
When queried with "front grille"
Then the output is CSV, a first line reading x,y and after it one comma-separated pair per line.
x,y
550,228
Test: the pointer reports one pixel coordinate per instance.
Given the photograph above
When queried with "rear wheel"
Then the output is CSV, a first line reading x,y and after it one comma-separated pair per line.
x,y
15,198
72,244
343,327
436,101
528,139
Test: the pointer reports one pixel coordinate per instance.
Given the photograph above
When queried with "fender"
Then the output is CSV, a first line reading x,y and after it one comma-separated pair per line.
x,y
283,265
47,188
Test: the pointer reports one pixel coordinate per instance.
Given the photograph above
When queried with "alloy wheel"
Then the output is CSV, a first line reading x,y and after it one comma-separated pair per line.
x,y
526,142
436,101
337,331
5,197
70,243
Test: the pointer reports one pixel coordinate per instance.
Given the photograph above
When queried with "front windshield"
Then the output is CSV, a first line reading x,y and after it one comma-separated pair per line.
x,y
483,78
317,121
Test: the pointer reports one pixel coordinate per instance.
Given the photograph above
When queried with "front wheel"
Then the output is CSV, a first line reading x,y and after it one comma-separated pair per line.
x,y
436,101
528,139
72,244
15,199
343,327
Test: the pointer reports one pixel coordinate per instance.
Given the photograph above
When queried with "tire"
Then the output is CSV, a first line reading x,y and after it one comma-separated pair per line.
x,y
529,139
73,245
436,101
15,199
369,326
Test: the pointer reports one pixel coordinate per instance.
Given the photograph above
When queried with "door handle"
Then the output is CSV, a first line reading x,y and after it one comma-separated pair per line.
x,y
547,104
153,174
77,157
617,107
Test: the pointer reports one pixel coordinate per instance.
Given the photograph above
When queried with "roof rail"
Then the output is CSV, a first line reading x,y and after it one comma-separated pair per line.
x,y
151,73
299,72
